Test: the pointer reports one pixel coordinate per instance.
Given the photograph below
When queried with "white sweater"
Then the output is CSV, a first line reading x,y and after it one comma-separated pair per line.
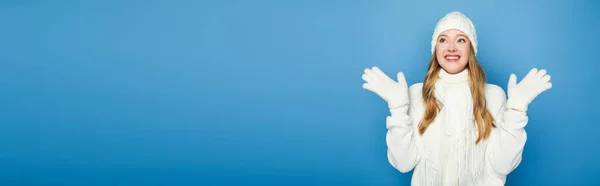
x,y
445,155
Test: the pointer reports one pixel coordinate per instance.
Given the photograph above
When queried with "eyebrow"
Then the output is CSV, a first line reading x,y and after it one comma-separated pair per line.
x,y
447,35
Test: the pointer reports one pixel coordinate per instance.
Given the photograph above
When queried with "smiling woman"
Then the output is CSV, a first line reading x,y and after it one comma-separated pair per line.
x,y
454,128
451,44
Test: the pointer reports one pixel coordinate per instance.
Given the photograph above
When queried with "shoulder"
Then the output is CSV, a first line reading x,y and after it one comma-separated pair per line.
x,y
495,97
415,91
494,92
416,99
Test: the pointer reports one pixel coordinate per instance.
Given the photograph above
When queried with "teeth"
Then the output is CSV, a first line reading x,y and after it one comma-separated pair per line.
x,y
452,57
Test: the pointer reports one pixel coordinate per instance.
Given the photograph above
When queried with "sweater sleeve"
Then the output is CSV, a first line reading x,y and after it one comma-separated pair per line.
x,y
507,141
402,139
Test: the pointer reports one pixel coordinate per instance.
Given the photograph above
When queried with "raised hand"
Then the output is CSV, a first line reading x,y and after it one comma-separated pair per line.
x,y
522,94
394,93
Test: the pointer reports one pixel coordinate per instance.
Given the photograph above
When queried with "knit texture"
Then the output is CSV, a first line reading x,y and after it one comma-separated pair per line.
x,y
463,160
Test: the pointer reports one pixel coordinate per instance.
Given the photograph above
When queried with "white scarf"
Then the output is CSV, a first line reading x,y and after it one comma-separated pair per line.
x,y
463,160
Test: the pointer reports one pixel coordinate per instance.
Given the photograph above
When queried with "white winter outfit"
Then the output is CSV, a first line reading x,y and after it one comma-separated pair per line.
x,y
446,154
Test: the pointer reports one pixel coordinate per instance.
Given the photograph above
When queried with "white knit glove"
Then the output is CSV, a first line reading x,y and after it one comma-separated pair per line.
x,y
522,94
394,93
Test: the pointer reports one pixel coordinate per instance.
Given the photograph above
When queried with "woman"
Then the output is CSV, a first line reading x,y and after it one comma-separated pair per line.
x,y
454,128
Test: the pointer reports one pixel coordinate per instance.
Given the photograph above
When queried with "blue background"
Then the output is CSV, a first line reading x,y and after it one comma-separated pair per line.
x,y
123,92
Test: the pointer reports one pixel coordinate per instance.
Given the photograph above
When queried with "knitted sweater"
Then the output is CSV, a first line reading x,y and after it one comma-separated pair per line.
x,y
446,154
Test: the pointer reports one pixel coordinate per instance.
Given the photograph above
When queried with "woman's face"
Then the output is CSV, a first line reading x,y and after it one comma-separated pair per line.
x,y
452,50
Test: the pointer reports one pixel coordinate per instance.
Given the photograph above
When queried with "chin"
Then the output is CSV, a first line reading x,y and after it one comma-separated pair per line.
x,y
453,67
453,71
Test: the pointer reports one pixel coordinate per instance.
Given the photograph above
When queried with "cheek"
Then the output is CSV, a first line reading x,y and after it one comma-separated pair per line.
x,y
464,49
440,47
440,51
439,55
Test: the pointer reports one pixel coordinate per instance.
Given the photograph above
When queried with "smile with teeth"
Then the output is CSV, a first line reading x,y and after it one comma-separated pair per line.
x,y
452,58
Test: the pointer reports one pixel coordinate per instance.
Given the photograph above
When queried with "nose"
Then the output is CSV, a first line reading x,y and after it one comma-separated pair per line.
x,y
451,47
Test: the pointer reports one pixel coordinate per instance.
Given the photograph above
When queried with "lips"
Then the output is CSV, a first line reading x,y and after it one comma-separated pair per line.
x,y
452,58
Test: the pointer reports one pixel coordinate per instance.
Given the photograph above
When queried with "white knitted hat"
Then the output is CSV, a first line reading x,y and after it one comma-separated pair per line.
x,y
455,20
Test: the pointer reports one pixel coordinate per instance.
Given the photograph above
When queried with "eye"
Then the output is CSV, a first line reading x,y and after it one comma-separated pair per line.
x,y
443,40
462,40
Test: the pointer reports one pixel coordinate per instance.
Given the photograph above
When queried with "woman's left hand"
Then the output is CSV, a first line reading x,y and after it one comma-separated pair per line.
x,y
522,94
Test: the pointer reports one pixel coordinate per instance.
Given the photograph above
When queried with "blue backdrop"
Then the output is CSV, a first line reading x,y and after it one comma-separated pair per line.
x,y
123,92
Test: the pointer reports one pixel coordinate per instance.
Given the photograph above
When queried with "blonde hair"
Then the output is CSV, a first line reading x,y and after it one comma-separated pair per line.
x,y
483,118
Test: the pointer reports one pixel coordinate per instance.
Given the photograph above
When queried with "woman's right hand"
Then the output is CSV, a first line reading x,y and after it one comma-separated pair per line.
x,y
394,93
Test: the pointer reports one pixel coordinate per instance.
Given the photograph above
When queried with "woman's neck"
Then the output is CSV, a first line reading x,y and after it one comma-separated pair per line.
x,y
460,77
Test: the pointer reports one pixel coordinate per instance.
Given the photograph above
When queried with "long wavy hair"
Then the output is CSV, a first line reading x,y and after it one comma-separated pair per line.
x,y
483,118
